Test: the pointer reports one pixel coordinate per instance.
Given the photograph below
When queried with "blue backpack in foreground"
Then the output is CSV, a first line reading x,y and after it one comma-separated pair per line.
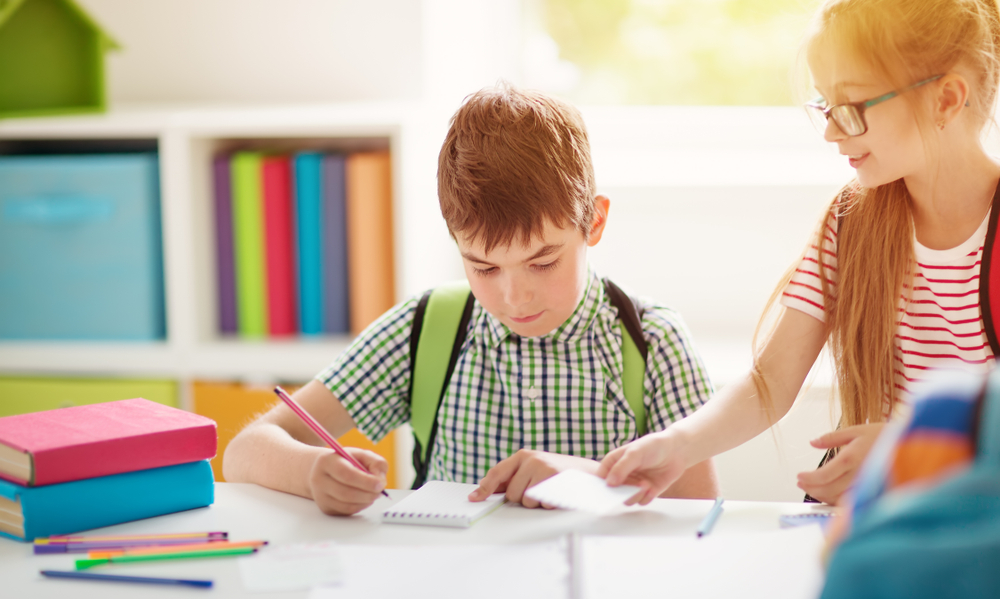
x,y
934,538
440,325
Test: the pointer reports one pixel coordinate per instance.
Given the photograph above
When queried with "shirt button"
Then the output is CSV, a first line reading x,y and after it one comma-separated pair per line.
x,y
533,393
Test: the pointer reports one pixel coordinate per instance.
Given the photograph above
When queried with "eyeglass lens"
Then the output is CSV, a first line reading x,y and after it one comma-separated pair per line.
x,y
846,117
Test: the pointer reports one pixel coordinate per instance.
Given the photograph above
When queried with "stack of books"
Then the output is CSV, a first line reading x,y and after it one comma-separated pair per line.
x,y
85,467
304,242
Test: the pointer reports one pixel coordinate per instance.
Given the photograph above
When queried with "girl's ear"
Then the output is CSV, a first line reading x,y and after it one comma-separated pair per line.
x,y
953,95
601,205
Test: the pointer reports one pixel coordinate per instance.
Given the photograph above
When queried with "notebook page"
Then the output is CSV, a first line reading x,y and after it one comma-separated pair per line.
x,y
541,571
781,564
441,503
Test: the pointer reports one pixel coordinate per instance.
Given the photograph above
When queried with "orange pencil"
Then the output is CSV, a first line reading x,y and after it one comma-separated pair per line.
x,y
212,546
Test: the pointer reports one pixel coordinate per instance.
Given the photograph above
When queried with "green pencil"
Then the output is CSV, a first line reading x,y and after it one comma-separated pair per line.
x,y
83,564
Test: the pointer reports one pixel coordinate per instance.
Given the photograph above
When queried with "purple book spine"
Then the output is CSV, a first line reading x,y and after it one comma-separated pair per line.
x,y
224,244
334,244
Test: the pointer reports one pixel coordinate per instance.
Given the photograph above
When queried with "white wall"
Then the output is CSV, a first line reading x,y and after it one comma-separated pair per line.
x,y
240,51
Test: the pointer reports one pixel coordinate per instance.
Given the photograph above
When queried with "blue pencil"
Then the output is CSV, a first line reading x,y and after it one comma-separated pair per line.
x,y
205,584
713,514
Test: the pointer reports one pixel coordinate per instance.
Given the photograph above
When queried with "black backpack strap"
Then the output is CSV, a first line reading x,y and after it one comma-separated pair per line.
x,y
989,279
630,313
420,461
634,353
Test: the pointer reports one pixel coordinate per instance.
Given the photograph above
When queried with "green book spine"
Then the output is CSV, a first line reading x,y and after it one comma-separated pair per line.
x,y
248,238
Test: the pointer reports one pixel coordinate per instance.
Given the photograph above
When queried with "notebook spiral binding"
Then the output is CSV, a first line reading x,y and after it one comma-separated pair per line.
x,y
415,515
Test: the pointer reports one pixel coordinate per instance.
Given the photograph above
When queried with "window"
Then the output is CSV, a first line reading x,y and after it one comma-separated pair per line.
x,y
675,52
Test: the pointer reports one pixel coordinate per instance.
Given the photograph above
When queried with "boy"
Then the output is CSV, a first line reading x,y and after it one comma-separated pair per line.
x,y
537,383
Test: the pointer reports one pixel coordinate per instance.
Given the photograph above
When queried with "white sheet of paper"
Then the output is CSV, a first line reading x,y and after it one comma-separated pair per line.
x,y
782,564
577,490
291,567
530,571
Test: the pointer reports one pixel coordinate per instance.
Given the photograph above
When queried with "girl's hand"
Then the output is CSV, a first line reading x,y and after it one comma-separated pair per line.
x,y
340,489
828,483
653,463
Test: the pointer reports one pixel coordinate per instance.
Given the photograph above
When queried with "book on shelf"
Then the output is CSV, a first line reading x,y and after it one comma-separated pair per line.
x,y
248,242
67,444
309,239
310,242
336,318
222,182
279,252
70,507
371,278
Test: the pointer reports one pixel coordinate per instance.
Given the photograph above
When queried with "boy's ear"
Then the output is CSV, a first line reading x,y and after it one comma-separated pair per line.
x,y
952,97
601,205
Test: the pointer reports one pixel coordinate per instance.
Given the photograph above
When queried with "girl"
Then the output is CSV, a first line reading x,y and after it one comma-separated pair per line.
x,y
891,280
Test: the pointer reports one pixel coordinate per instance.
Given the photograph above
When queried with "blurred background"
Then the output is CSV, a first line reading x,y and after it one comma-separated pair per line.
x,y
715,174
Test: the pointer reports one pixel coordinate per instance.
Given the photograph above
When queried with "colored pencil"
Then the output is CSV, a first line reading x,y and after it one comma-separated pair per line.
x,y
83,564
319,430
213,546
713,514
178,535
119,578
82,547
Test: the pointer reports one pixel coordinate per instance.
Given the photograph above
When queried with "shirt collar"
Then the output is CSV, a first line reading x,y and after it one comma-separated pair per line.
x,y
495,332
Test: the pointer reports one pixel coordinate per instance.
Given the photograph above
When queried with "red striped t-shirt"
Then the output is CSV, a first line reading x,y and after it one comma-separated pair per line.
x,y
940,327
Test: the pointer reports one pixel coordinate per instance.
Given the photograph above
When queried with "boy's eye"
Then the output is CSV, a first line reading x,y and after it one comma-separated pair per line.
x,y
548,266
484,272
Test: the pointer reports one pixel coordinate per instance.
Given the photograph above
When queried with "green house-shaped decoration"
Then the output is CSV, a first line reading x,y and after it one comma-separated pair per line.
x,y
51,59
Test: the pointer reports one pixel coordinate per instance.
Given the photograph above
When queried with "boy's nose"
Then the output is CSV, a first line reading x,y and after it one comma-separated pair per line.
x,y
517,293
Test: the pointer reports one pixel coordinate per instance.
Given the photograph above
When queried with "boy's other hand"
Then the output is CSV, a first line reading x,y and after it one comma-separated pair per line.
x,y
828,483
340,489
652,463
525,469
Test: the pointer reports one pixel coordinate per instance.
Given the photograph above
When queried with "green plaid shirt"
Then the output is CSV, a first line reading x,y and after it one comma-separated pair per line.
x,y
559,393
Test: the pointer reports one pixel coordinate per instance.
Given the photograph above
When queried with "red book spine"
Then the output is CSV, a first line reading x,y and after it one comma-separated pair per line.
x,y
128,454
278,246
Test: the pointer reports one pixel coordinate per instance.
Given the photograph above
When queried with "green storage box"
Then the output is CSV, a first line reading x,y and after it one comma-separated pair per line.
x,y
21,395
51,59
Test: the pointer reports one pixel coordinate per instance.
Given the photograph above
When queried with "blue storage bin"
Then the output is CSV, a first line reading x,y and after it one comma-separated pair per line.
x,y
81,255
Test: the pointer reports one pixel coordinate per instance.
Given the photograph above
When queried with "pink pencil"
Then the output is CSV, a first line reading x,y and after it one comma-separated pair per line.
x,y
319,430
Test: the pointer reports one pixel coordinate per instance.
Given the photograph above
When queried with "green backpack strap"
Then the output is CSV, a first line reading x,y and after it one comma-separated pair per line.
x,y
440,326
634,352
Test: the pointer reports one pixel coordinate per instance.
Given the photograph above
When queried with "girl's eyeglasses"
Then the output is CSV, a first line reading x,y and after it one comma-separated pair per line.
x,y
850,118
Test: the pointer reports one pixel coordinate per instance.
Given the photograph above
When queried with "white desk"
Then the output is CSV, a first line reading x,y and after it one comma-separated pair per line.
x,y
251,512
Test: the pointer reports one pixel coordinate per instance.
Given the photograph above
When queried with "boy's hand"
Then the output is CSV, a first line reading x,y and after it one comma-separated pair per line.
x,y
340,489
652,462
828,483
525,469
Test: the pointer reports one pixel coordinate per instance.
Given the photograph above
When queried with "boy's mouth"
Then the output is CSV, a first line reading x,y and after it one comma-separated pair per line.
x,y
526,319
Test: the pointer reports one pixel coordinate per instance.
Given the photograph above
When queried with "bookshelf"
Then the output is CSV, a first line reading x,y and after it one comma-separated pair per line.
x,y
186,138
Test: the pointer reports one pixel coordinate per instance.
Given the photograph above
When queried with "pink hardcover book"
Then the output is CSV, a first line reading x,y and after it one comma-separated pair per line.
x,y
279,246
56,446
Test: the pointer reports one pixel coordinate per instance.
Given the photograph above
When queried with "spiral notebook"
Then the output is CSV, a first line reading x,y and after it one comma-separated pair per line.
x,y
440,503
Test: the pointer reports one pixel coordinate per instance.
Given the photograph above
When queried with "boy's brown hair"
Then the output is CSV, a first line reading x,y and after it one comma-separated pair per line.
x,y
513,159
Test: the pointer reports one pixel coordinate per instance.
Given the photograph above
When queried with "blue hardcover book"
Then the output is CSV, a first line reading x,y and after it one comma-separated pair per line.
x,y
64,508
335,303
309,227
